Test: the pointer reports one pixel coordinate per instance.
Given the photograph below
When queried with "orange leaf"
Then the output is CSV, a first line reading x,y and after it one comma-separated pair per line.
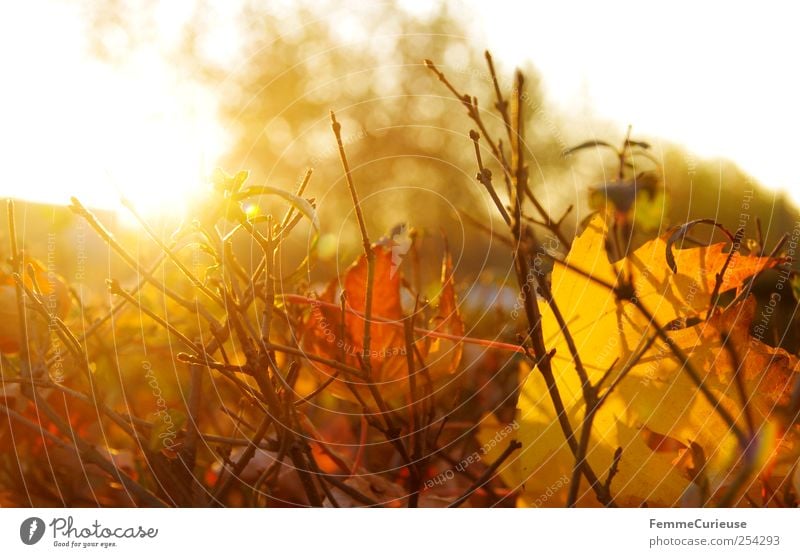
x,y
445,355
706,262
659,443
323,335
322,329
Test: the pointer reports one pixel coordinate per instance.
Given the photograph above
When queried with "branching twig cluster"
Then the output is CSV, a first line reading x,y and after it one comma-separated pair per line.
x,y
242,336
534,283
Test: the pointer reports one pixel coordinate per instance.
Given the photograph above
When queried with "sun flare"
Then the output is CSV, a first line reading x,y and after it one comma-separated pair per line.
x,y
100,131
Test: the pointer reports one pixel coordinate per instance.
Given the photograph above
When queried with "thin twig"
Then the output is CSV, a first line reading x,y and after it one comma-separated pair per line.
x,y
487,474
720,276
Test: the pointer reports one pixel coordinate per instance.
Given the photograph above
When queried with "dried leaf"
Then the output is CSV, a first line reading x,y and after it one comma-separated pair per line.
x,y
443,355
657,395
659,443
322,334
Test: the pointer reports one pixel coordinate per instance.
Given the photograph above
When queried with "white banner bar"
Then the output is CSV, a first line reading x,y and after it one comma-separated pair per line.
x,y
401,532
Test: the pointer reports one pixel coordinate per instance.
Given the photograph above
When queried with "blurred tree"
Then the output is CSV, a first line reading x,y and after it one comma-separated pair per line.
x,y
406,138
278,69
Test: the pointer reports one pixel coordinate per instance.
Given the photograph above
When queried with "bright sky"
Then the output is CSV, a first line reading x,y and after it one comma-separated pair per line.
x,y
71,125
722,80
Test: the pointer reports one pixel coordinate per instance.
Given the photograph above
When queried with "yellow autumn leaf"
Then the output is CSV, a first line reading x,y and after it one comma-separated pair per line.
x,y
656,413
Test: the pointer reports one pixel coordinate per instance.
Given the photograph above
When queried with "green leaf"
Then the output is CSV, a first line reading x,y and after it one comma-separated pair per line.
x,y
297,202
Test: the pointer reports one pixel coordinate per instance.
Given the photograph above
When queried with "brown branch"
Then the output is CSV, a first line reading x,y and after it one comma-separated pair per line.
x,y
84,452
738,381
487,474
167,250
719,278
244,459
78,208
16,263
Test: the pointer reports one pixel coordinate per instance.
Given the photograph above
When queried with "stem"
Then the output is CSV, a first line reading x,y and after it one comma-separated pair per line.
x,y
487,475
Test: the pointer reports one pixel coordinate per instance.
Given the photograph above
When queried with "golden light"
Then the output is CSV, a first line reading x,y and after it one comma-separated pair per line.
x,y
720,84
73,125
251,210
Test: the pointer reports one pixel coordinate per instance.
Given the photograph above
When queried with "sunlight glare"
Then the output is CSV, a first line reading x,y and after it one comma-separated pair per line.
x,y
721,85
718,79
98,131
